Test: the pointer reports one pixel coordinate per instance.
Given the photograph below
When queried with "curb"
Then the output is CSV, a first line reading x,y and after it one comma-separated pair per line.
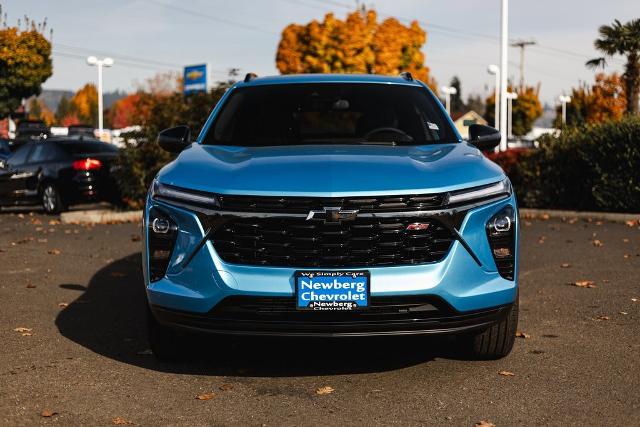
x,y
99,216
587,216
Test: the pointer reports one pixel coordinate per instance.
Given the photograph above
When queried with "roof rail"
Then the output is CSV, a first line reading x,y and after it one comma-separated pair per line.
x,y
249,77
406,75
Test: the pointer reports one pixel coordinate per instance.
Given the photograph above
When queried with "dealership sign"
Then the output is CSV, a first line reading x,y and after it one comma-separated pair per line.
x,y
195,78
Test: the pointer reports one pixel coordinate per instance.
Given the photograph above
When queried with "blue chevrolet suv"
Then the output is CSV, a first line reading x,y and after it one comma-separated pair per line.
x,y
331,206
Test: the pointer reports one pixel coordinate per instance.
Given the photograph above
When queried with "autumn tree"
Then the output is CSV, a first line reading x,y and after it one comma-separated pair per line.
x,y
37,110
359,44
25,63
526,109
457,104
125,111
602,101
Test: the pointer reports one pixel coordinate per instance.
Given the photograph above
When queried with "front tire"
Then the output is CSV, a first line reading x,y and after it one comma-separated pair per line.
x,y
495,342
51,199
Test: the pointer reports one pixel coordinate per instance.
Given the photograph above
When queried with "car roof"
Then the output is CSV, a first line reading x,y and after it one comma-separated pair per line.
x,y
328,78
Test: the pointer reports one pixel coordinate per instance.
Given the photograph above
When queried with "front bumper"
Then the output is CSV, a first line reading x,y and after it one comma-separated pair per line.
x,y
469,293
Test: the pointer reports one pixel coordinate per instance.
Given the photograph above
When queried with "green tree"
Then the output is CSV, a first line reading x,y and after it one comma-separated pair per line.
x,y
25,63
141,160
622,39
457,104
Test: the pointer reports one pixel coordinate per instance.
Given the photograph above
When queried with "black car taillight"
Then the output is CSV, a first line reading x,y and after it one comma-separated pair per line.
x,y
501,231
162,232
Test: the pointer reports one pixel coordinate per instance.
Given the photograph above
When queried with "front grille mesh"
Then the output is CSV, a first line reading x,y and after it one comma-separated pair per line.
x,y
305,204
363,242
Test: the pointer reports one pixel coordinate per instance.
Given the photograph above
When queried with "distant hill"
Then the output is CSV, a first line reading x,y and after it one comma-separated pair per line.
x,y
52,97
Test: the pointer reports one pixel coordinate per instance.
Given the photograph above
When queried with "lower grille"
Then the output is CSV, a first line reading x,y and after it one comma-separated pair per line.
x,y
364,242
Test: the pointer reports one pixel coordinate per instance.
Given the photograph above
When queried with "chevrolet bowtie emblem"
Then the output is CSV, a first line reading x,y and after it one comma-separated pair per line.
x,y
332,215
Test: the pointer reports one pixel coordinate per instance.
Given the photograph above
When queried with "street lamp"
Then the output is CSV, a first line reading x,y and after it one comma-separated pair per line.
x,y
448,91
105,62
495,70
564,99
510,97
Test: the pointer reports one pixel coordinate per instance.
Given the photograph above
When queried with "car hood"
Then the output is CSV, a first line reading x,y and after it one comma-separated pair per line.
x,y
330,170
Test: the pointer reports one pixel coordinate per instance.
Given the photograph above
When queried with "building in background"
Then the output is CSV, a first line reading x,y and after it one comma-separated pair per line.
x,y
463,121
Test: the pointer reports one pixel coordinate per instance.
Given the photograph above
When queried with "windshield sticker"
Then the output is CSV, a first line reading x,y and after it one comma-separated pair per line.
x,y
433,126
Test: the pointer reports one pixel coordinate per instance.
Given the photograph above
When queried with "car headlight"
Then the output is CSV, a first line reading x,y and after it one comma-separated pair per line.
x,y
162,233
501,232
170,193
502,188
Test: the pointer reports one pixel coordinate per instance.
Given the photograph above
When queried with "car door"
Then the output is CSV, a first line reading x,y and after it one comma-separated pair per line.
x,y
14,177
38,161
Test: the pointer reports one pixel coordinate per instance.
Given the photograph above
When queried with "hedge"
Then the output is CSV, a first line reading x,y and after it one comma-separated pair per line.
x,y
590,167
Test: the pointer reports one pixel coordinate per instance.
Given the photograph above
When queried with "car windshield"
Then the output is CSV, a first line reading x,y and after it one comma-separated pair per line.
x,y
88,147
330,113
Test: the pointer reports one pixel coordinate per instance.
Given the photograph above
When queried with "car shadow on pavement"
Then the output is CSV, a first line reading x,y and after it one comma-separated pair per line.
x,y
108,318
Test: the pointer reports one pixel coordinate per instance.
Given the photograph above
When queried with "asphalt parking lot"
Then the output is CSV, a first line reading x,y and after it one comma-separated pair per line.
x,y
74,348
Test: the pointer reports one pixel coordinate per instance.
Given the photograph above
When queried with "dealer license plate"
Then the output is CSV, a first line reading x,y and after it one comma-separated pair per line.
x,y
332,290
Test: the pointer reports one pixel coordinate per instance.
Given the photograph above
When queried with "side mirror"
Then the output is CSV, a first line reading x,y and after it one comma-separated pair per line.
x,y
176,139
484,137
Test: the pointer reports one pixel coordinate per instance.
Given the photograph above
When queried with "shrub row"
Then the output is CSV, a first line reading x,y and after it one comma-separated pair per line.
x,y
590,167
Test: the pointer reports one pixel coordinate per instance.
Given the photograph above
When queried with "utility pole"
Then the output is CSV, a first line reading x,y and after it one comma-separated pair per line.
x,y
522,44
448,91
495,70
504,71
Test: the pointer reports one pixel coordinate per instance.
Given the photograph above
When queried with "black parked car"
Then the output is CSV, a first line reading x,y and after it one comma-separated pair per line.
x,y
5,150
57,172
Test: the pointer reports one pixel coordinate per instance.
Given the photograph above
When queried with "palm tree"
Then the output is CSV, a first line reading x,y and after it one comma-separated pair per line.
x,y
622,39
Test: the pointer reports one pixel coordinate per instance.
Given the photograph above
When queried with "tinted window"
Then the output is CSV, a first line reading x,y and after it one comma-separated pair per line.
x,y
19,156
330,113
89,147
4,147
42,152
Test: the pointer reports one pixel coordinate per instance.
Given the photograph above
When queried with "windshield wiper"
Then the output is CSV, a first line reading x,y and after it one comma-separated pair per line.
x,y
391,143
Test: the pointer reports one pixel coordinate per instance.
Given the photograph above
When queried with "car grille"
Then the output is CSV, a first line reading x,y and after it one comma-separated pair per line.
x,y
363,242
305,204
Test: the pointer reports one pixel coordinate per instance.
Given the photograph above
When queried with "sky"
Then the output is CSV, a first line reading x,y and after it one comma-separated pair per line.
x,y
146,37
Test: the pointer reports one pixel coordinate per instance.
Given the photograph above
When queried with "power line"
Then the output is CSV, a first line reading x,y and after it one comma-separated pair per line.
x,y
199,14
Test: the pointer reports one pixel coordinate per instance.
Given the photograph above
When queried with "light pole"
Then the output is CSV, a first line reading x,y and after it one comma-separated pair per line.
x,y
105,62
504,70
495,70
510,97
564,99
448,91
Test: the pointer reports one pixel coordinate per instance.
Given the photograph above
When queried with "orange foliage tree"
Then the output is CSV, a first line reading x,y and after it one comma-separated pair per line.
x,y
359,44
604,100
526,108
125,111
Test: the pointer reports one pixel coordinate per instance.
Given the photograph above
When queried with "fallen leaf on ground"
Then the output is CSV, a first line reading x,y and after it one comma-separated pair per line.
x,y
536,351
54,251
583,284
545,216
206,396
226,387
565,265
119,421
63,304
30,286
634,299
542,239
22,329
623,313
602,317
520,334
631,223
48,413
625,240
506,374
135,238
626,256
325,390
485,424
54,222
597,243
